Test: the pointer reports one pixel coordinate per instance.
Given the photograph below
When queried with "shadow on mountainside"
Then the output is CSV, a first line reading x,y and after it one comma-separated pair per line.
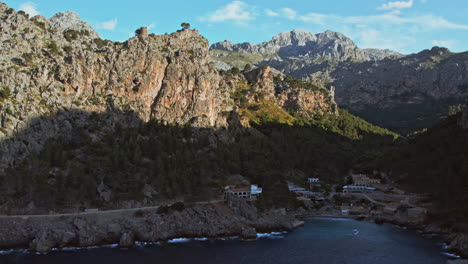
x,y
114,159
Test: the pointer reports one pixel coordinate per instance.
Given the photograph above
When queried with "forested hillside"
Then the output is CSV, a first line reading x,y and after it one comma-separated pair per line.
x,y
435,162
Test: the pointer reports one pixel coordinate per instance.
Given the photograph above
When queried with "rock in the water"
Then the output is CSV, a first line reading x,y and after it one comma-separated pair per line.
x,y
44,242
249,233
127,240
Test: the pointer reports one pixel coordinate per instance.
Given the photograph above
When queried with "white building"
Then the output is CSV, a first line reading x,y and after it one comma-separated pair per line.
x,y
246,192
357,189
255,190
313,180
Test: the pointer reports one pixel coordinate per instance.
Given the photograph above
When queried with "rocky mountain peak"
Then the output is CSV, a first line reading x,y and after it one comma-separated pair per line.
x,y
299,44
296,37
70,20
380,54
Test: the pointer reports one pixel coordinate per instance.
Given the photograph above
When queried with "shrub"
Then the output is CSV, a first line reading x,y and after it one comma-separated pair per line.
x,y
5,92
53,48
163,209
28,58
101,42
178,206
235,70
71,34
40,24
67,49
23,14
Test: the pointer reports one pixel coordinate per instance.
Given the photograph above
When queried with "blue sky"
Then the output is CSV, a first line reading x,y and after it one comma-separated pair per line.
x,y
406,26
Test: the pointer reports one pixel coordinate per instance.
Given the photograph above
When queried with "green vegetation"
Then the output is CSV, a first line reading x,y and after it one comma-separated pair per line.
x,y
455,109
71,34
237,59
53,48
183,162
39,24
5,92
101,42
28,58
67,49
435,162
407,118
267,113
292,82
185,25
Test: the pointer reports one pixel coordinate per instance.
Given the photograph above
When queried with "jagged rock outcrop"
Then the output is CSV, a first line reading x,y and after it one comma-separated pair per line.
x,y
69,20
307,103
46,68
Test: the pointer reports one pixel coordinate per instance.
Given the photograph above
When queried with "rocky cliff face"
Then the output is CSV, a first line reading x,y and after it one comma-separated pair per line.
x,y
52,66
57,64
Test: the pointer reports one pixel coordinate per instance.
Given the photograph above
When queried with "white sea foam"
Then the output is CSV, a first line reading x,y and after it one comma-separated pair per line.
x,y
179,240
274,235
450,255
201,239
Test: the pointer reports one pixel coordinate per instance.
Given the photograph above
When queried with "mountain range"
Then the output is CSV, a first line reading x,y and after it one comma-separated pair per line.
x,y
401,92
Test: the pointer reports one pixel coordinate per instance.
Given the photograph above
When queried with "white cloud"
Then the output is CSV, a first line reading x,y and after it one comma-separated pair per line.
x,y
397,5
236,12
29,8
271,13
373,38
289,13
108,25
450,44
150,26
420,23
390,30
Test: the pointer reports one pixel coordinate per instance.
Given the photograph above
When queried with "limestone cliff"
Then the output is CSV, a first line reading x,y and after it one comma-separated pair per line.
x,y
51,67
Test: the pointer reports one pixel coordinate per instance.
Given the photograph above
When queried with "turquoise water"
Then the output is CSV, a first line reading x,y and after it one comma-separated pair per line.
x,y
326,241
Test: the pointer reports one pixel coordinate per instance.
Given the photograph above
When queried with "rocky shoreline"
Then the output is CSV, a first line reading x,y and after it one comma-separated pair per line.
x,y
127,228
124,227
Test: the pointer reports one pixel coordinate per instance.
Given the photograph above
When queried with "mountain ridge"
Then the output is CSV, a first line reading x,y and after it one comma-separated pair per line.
x,y
379,85
301,43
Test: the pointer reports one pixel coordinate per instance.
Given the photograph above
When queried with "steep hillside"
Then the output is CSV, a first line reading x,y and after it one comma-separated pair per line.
x,y
87,122
435,162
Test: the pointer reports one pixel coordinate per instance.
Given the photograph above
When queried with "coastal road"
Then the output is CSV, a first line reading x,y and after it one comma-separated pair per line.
x,y
116,211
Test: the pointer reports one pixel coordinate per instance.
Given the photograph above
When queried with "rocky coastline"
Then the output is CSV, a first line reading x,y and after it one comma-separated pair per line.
x,y
43,233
